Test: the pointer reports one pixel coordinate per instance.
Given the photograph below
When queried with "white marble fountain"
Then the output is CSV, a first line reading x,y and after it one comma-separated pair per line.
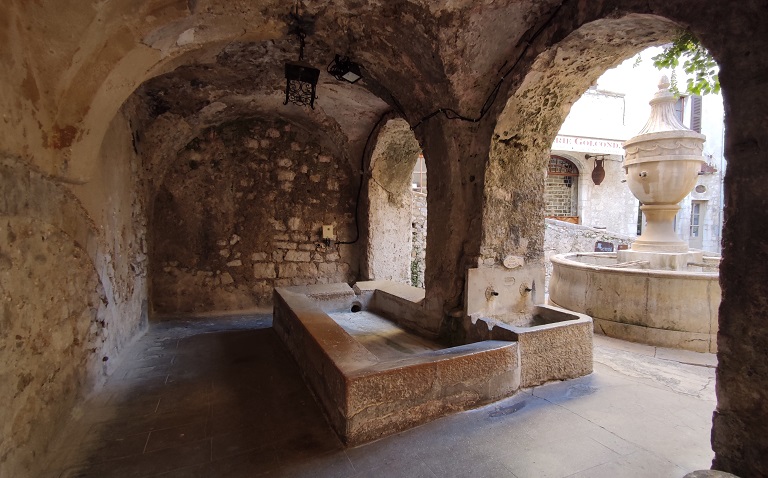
x,y
658,292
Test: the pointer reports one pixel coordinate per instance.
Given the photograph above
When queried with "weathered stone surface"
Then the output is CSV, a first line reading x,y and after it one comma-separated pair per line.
x,y
198,200
366,397
204,64
389,194
658,307
74,294
264,270
297,256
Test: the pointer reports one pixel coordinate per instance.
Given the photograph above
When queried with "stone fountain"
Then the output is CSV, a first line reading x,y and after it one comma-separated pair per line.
x,y
658,292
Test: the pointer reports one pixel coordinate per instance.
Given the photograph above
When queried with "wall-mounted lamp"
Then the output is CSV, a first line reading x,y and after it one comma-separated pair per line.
x,y
301,79
342,68
598,173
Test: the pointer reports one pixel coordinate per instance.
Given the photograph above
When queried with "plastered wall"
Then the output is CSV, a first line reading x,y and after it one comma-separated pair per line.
x,y
72,280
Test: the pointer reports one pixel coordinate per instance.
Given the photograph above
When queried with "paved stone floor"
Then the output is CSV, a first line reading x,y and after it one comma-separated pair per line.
x,y
222,398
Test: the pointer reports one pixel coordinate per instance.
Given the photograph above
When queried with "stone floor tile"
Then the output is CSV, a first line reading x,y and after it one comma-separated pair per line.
x,y
245,465
687,357
233,382
331,465
641,349
146,464
405,468
460,461
126,426
241,441
173,437
641,464
556,459
385,453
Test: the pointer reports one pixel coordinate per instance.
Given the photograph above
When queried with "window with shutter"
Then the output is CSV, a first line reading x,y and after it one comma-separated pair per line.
x,y
696,113
680,109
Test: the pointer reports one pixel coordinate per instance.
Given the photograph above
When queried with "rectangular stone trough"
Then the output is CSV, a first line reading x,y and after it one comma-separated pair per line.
x,y
380,370
554,343
366,396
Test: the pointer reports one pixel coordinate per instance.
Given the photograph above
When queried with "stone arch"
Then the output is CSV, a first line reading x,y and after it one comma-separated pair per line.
x,y
513,221
389,202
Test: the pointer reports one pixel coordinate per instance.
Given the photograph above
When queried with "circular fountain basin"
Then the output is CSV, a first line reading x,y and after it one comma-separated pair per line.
x,y
630,301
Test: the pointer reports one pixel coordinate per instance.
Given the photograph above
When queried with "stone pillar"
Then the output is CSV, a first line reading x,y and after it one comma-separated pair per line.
x,y
740,424
456,153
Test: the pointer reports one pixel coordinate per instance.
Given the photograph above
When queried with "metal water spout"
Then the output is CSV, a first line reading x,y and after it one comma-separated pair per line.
x,y
662,164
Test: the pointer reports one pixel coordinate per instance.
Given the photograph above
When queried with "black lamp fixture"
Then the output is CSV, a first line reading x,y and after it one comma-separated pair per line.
x,y
598,173
301,78
342,68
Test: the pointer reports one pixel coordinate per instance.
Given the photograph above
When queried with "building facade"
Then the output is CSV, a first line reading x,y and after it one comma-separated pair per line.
x,y
610,112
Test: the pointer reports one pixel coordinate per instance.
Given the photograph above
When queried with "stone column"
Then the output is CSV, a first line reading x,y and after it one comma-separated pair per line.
x,y
456,153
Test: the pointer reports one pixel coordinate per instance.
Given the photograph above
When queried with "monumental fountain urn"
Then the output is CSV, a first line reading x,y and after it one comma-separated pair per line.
x,y
662,164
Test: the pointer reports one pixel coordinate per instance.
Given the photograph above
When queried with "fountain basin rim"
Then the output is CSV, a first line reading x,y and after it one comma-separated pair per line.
x,y
662,135
662,159
564,261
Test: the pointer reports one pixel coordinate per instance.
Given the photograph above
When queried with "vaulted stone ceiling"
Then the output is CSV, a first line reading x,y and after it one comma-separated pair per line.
x,y
416,56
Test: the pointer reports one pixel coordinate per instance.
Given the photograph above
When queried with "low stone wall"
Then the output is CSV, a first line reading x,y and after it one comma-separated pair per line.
x,y
663,308
563,237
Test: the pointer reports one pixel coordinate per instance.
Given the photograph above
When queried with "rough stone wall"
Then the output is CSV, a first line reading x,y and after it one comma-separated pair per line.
x,y
51,336
241,211
419,238
562,237
389,203
740,422
80,299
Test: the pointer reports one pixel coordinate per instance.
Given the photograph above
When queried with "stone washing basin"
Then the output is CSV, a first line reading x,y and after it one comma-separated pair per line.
x,y
376,366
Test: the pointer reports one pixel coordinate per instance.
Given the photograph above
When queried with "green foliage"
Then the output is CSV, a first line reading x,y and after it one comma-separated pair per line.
x,y
697,62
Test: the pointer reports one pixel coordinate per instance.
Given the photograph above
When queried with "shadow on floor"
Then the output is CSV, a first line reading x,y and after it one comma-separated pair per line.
x,y
204,398
221,397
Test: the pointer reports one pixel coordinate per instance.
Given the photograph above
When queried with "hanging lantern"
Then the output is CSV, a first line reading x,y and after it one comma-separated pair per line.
x,y
300,77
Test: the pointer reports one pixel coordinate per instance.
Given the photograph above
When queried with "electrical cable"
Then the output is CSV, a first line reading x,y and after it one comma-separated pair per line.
x,y
362,179
452,114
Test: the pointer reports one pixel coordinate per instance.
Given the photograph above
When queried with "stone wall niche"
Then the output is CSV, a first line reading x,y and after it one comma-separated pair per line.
x,y
241,211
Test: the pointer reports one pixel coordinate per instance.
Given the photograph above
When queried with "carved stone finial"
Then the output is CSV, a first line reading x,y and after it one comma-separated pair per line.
x,y
664,83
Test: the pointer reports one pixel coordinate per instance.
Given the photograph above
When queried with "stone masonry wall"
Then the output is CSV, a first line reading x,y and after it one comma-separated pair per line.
x,y
419,241
241,211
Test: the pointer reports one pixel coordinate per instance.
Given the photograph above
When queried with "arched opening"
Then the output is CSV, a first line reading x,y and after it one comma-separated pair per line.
x,y
419,223
393,206
561,190
517,194
611,111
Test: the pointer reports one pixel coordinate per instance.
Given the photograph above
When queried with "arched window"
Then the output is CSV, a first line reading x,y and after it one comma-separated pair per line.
x,y
561,192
